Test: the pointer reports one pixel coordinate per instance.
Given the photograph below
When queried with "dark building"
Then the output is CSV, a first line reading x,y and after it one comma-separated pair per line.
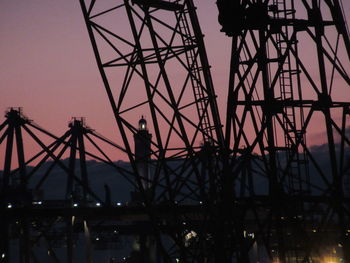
x,y
142,141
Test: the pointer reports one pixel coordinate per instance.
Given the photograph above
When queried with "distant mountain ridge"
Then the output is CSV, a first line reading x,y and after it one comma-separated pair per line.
x,y
101,174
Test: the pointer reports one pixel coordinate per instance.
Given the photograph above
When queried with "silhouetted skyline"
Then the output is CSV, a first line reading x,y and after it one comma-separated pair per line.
x,y
47,64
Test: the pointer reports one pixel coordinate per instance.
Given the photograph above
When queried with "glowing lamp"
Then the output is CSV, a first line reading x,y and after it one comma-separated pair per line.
x,y
142,124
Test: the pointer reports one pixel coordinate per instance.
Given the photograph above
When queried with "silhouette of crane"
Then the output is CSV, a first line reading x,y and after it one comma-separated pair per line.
x,y
249,188
256,169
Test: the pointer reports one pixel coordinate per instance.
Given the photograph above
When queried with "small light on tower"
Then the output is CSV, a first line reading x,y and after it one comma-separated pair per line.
x,y
142,124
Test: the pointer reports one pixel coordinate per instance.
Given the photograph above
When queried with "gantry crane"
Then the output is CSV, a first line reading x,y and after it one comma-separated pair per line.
x,y
246,189
259,168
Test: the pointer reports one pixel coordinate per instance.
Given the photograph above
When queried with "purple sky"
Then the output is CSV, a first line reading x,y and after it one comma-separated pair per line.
x,y
48,68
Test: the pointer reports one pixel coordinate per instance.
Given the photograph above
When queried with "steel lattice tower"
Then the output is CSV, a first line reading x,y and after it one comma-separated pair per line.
x,y
256,184
277,93
38,227
159,56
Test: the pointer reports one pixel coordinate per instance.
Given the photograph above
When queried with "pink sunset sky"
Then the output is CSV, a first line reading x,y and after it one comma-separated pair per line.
x,y
47,64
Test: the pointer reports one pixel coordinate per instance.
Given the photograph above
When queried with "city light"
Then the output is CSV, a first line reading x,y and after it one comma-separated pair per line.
x,y
330,259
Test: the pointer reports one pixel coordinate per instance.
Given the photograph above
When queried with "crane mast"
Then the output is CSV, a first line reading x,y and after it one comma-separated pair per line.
x,y
277,93
263,159
160,56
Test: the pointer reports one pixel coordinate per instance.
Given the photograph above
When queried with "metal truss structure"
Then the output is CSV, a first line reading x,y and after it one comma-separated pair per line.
x,y
260,169
35,222
250,190
277,93
163,73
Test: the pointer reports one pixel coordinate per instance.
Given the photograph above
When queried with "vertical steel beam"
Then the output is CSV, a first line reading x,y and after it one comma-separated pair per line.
x,y
83,169
8,157
206,70
71,165
20,156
